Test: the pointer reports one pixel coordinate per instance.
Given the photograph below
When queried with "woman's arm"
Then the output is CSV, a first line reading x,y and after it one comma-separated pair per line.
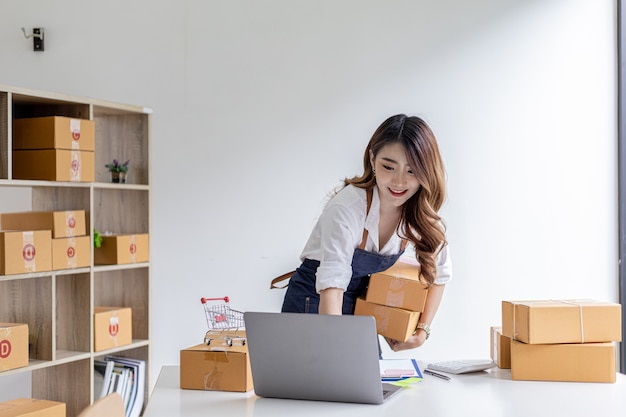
x,y
331,301
433,299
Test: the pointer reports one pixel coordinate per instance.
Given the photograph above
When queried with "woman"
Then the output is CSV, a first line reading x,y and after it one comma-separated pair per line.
x,y
365,227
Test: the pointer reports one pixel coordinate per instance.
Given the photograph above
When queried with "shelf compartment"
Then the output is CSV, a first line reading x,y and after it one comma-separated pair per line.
x,y
126,288
122,135
28,106
73,314
121,211
29,300
41,196
135,351
46,385
61,199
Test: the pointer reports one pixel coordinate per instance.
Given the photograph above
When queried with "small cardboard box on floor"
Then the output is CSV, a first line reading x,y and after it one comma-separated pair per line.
x,y
562,321
113,327
570,362
399,286
61,223
23,252
395,323
216,368
13,346
30,407
500,348
54,132
123,249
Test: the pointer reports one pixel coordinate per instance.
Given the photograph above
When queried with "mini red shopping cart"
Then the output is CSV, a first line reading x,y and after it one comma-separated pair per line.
x,y
225,324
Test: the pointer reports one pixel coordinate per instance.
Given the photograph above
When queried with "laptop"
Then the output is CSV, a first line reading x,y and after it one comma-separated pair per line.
x,y
315,357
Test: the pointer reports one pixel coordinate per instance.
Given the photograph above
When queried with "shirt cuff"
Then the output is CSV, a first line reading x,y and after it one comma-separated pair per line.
x,y
332,275
444,274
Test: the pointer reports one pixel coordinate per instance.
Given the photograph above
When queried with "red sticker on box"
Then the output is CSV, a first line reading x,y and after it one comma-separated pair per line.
x,y
114,326
75,166
5,349
29,252
75,129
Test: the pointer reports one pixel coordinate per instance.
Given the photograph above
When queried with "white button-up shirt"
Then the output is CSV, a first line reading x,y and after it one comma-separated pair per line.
x,y
339,231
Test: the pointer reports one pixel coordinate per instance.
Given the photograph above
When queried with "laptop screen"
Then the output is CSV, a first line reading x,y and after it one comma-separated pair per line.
x,y
314,357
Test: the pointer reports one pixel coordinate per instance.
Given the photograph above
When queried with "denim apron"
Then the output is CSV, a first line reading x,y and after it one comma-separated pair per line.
x,y
301,295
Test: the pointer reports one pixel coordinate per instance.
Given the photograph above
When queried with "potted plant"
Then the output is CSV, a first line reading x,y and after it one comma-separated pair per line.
x,y
118,171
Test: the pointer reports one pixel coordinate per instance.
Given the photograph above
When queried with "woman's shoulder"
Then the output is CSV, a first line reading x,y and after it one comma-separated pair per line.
x,y
347,206
349,195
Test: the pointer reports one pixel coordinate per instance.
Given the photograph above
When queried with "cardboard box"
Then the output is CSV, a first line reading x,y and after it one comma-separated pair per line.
x,y
392,322
61,223
562,321
25,252
500,348
30,407
71,252
113,327
54,165
588,362
123,249
399,286
54,132
212,368
13,346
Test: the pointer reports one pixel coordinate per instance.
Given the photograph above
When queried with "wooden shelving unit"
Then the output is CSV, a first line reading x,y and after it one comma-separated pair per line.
x,y
58,305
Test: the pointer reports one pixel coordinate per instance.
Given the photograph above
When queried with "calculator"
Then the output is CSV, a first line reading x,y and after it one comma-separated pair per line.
x,y
462,366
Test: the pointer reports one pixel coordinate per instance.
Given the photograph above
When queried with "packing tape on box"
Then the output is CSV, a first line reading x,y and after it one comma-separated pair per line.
x,y
214,379
70,223
575,303
70,254
74,167
132,249
29,251
580,312
75,132
494,340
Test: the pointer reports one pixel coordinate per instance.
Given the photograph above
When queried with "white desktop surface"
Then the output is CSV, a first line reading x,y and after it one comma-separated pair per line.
x,y
489,393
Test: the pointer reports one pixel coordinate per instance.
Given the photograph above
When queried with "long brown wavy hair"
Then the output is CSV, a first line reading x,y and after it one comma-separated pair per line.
x,y
420,221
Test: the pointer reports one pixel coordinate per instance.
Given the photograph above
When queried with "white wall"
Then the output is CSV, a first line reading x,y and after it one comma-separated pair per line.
x,y
260,108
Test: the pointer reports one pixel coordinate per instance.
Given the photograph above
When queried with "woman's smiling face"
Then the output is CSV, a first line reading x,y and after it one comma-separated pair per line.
x,y
395,178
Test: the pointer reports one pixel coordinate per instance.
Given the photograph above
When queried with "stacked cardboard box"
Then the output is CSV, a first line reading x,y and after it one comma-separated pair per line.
x,y
500,348
395,297
54,148
561,340
70,246
23,252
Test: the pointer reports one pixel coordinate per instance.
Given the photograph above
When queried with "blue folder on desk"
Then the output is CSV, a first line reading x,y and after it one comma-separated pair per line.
x,y
315,357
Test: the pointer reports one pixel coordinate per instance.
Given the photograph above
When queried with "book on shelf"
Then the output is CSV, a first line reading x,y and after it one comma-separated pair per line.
x,y
121,377
102,377
126,376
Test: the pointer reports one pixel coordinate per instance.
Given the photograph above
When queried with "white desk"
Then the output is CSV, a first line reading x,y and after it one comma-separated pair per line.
x,y
490,393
